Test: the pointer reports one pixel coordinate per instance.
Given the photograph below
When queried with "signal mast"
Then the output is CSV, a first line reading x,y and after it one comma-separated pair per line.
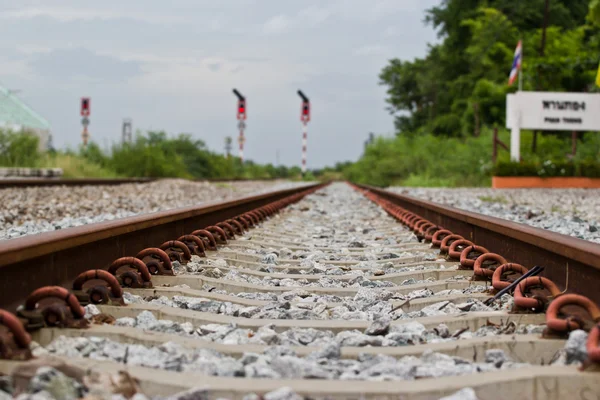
x,y
85,121
304,117
241,116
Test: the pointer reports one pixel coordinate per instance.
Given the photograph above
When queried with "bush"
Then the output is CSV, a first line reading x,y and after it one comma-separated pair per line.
x,y
153,154
427,160
509,168
449,123
18,149
432,160
74,166
589,169
548,168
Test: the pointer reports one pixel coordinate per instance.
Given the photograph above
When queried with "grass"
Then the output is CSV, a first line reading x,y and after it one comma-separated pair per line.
x,y
75,167
418,180
494,199
223,185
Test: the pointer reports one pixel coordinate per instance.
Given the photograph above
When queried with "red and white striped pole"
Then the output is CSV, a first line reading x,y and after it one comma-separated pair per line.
x,y
241,116
304,140
304,117
241,142
85,121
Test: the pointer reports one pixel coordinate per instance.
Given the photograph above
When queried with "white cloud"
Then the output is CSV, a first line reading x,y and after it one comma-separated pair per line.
x,y
370,50
384,8
309,16
314,15
372,11
18,68
391,31
70,14
277,24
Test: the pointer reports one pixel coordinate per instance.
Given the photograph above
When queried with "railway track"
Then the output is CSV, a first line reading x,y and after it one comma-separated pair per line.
x,y
52,181
317,292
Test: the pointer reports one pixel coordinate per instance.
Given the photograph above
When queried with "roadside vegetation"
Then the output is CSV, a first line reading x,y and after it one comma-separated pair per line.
x,y
153,154
447,103
434,160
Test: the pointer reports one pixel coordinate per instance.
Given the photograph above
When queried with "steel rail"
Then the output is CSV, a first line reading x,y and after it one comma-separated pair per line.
x,y
56,258
568,261
32,182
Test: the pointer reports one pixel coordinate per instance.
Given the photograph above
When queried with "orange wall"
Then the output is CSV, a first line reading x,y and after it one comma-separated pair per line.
x,y
499,182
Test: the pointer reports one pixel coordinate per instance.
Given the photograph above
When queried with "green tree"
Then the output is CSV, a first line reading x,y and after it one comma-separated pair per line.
x,y
594,12
459,86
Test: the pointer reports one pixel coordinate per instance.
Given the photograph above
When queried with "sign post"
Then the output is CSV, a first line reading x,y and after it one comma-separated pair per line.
x,y
241,116
126,134
228,146
550,111
304,117
85,121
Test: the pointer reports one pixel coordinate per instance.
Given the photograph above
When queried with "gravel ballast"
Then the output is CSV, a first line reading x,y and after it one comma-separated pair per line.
x,y
31,210
331,288
280,362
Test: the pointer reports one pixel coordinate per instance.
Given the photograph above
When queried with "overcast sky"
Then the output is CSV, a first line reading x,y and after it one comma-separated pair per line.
x,y
171,65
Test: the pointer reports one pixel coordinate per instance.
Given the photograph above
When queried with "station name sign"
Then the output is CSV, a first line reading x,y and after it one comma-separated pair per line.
x,y
553,111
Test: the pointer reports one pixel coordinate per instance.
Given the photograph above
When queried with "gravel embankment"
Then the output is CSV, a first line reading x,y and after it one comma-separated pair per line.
x,y
27,211
574,212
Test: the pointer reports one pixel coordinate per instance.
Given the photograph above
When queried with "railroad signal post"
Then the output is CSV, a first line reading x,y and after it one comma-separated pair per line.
x,y
85,121
304,117
241,116
126,134
228,142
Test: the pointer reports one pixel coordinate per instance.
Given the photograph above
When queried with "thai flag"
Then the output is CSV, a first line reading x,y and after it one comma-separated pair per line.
x,y
516,66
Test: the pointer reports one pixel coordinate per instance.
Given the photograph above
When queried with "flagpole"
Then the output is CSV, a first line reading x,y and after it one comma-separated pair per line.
x,y
521,69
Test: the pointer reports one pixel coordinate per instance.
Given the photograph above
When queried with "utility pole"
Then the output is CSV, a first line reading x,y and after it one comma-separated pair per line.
x,y
542,52
50,145
304,117
241,116
370,140
126,135
85,121
228,142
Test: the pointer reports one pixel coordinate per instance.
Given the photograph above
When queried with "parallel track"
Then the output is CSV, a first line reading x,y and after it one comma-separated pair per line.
x,y
33,182
351,239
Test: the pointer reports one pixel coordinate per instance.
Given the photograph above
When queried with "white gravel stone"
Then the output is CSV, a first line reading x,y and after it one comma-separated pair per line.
x,y
55,384
90,311
32,210
192,394
463,394
279,362
284,393
576,347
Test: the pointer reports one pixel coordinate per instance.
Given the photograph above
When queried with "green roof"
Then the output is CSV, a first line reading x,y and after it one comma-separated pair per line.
x,y
14,111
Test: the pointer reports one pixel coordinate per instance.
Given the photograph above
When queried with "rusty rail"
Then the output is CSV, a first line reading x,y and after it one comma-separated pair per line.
x,y
56,258
31,182
568,261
